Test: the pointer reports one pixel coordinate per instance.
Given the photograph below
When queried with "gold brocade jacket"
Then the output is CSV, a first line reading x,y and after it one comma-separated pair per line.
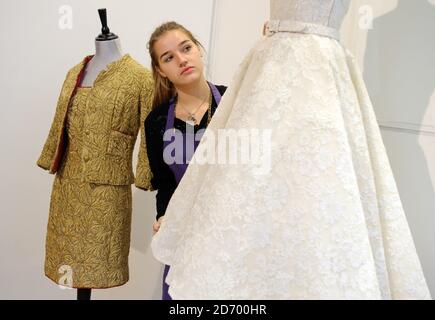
x,y
116,109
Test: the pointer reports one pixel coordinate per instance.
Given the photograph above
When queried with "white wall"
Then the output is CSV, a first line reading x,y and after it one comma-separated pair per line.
x,y
237,26
398,59
36,55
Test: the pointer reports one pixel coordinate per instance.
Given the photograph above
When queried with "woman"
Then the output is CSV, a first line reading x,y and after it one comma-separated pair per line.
x,y
326,221
184,103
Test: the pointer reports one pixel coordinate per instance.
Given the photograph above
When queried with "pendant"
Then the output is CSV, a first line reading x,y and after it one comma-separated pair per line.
x,y
191,118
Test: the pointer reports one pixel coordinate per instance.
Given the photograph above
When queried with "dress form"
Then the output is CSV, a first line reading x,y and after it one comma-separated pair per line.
x,y
107,50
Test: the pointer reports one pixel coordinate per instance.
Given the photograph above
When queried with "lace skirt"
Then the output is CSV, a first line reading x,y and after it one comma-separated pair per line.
x,y
323,221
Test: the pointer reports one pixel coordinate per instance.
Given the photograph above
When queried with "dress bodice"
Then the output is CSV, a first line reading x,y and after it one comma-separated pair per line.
x,y
328,13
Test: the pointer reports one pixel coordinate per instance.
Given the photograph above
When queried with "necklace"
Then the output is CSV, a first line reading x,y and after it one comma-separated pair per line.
x,y
210,102
191,115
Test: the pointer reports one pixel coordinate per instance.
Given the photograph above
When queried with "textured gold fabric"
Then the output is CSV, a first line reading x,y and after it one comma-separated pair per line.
x,y
117,107
90,149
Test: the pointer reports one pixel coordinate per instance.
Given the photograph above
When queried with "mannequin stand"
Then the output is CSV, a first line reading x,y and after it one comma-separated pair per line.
x,y
84,294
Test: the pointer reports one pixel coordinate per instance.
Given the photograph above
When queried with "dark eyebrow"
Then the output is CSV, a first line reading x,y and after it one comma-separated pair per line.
x,y
180,45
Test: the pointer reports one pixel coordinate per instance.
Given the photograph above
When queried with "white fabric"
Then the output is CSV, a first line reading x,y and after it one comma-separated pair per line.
x,y
326,222
328,13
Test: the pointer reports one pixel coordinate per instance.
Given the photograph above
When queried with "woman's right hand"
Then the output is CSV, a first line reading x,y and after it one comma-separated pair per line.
x,y
156,225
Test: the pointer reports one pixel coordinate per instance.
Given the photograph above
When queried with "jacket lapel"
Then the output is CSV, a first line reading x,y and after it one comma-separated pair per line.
x,y
74,80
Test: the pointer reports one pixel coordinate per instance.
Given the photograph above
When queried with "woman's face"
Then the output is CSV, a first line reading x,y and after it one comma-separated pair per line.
x,y
179,59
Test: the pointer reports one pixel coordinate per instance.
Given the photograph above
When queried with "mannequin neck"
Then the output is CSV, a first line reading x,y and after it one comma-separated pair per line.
x,y
108,50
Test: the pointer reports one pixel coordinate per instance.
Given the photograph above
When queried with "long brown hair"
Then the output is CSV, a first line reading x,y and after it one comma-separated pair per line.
x,y
163,88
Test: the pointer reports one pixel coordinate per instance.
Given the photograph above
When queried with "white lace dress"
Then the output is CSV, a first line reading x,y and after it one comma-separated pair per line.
x,y
326,222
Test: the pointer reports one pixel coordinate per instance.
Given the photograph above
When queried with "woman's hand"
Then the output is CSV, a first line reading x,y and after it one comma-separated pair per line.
x,y
156,225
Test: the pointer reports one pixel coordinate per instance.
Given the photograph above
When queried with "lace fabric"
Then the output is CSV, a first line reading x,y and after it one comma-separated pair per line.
x,y
328,13
327,221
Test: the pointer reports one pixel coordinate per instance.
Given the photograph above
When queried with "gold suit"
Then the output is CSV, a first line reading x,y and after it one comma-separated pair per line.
x,y
90,147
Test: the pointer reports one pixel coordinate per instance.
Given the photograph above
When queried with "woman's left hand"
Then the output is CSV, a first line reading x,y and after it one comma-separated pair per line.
x,y
156,225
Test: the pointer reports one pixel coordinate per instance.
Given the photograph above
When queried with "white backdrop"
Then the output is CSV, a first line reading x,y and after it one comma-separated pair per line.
x,y
37,53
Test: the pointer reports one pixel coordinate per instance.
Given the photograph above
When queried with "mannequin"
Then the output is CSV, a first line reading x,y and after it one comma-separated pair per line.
x,y
89,148
107,50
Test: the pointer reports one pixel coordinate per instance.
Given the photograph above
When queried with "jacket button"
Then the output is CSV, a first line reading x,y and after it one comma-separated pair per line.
x,y
86,157
87,132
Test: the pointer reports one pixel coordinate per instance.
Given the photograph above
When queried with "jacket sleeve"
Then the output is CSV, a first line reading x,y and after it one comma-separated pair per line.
x,y
143,172
163,179
51,143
